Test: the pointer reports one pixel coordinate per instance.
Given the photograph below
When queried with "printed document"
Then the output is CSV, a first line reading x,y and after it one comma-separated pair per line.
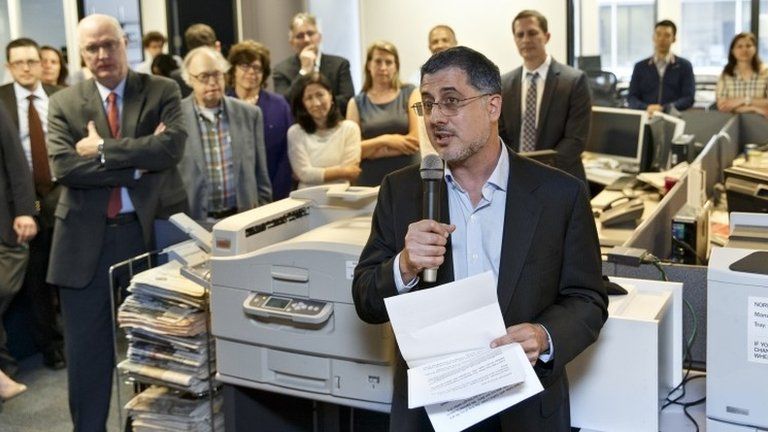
x,y
444,334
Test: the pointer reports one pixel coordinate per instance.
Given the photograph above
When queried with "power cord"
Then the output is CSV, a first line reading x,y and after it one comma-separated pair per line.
x,y
656,262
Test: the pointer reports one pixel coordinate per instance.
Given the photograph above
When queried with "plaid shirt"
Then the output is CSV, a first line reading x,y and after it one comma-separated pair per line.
x,y
217,147
729,87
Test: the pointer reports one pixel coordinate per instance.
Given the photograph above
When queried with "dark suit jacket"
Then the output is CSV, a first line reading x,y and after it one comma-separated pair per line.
x,y
81,212
17,191
677,87
286,74
564,115
49,201
549,273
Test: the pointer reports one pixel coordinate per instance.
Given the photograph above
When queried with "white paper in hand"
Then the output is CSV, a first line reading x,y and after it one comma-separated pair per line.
x,y
458,320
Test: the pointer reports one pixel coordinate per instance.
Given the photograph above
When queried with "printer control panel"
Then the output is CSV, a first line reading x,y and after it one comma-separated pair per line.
x,y
295,309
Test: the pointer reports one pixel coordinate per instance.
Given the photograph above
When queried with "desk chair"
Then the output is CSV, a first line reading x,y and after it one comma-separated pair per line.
x,y
603,86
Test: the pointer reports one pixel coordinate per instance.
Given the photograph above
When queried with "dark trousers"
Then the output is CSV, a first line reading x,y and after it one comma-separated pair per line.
x,y
88,331
42,296
13,262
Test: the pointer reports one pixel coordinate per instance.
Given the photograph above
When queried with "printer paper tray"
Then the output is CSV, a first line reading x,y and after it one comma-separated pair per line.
x,y
316,377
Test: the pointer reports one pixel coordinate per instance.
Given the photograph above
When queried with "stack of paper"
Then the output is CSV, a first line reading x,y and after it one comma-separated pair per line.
x,y
161,409
165,320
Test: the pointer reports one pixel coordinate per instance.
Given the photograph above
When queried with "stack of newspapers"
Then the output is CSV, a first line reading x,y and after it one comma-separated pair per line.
x,y
160,408
165,321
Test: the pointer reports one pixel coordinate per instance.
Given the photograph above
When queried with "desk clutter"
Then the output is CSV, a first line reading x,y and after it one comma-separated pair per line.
x,y
165,319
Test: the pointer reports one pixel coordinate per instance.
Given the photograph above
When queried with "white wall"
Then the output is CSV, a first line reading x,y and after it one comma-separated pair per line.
x,y
484,26
339,22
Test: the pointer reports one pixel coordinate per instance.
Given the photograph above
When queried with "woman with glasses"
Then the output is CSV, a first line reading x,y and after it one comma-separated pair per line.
x,y
743,85
389,128
55,70
322,146
247,81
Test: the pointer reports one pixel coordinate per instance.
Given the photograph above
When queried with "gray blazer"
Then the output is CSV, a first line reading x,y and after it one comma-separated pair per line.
x,y
246,128
81,212
564,115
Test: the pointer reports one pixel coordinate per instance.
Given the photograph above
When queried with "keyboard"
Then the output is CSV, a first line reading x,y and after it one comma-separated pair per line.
x,y
603,176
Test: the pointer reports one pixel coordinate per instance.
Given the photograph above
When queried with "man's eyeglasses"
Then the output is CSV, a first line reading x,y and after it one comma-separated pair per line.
x,y
448,107
306,34
205,77
108,46
28,63
250,67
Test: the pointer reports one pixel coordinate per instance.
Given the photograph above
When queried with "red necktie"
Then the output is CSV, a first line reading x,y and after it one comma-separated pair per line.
x,y
41,171
115,200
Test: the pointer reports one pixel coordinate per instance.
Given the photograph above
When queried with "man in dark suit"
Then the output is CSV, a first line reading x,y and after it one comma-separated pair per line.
x,y
547,105
195,36
23,56
114,142
17,223
547,260
663,81
305,39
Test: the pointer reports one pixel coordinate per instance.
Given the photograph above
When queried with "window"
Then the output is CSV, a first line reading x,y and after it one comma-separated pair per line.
x,y
706,29
5,32
762,41
618,30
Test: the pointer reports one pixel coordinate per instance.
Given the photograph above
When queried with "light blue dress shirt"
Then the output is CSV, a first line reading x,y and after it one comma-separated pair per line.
x,y
476,242
119,90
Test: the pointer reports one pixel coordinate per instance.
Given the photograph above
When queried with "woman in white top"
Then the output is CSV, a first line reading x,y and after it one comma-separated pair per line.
x,y
322,147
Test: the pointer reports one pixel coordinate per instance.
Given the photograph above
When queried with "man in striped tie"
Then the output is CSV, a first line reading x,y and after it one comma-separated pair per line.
x,y
547,105
114,142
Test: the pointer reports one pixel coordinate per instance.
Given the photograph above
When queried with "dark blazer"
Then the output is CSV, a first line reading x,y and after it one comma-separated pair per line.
x,y
549,273
8,98
49,201
17,191
249,164
677,87
81,212
286,74
564,115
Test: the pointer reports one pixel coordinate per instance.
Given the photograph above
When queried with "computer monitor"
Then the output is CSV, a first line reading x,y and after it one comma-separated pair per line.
x,y
663,129
589,63
617,134
547,157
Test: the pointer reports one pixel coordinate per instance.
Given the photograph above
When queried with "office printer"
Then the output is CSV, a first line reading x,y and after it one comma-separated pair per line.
x,y
281,301
737,340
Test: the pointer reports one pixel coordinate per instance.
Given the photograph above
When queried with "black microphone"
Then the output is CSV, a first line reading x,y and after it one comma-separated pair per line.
x,y
432,179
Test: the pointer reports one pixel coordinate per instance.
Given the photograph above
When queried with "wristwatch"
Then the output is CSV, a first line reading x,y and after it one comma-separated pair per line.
x,y
100,148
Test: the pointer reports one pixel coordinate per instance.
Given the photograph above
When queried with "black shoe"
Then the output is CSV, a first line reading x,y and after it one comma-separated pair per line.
x,y
10,369
54,360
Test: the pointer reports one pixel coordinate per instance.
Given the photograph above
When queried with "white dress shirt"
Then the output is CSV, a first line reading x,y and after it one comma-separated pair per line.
x,y
22,107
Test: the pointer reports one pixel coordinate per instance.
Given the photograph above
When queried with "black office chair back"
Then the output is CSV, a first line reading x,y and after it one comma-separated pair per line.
x,y
603,86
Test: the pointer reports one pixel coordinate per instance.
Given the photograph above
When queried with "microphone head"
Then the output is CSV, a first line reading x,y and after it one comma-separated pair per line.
x,y
432,167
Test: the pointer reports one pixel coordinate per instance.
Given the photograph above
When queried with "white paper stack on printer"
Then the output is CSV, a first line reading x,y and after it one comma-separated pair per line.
x,y
453,372
165,321
159,408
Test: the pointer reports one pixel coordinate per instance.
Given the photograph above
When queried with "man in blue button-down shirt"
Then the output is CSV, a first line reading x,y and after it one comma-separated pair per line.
x,y
528,223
